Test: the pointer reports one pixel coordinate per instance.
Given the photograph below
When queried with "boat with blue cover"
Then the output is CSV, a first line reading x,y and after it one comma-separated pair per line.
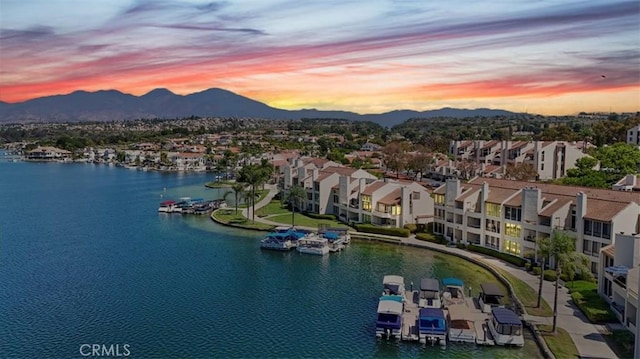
x,y
281,240
506,327
432,326
389,318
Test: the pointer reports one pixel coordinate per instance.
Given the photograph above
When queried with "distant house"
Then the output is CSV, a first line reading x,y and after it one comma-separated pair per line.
x,y
370,147
47,153
630,183
633,136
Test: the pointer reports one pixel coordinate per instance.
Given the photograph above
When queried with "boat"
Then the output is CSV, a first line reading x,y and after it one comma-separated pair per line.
x,y
432,326
336,242
506,327
429,295
453,292
281,241
167,206
490,297
461,328
389,318
342,234
393,285
313,244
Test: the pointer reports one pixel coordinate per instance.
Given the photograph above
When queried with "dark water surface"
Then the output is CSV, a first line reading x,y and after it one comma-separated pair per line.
x,y
86,259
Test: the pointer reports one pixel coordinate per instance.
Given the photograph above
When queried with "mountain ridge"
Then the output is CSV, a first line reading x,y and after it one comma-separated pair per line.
x,y
114,105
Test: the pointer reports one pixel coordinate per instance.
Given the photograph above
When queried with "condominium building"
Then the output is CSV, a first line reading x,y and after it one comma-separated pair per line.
x,y
551,159
633,135
619,278
508,216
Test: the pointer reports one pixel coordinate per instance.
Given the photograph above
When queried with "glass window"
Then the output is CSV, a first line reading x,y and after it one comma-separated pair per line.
x,y
587,227
606,230
493,209
366,203
597,229
438,199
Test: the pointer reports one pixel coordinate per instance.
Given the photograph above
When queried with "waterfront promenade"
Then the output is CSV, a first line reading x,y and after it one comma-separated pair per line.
x,y
586,336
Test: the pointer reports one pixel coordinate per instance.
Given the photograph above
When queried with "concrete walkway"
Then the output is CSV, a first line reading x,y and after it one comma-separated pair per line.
x,y
586,336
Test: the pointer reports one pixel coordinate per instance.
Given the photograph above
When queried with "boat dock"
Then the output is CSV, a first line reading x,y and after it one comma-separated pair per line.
x,y
410,330
469,324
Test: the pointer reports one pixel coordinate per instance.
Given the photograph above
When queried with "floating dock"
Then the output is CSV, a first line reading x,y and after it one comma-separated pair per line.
x,y
410,330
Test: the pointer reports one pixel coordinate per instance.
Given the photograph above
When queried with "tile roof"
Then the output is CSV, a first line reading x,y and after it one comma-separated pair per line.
x,y
553,207
499,195
368,190
600,210
392,198
345,171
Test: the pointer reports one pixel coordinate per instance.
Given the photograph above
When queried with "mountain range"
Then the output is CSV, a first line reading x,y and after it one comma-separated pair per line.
x,y
110,105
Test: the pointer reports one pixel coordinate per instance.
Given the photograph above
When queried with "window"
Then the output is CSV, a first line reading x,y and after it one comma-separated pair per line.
x,y
542,157
542,167
492,226
366,203
573,219
415,195
512,230
493,209
512,247
606,230
366,218
587,227
586,246
513,213
438,199
316,186
597,229
396,210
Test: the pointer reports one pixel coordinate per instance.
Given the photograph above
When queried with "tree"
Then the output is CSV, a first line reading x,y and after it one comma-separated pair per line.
x,y
563,249
238,190
295,196
395,157
253,176
520,172
543,252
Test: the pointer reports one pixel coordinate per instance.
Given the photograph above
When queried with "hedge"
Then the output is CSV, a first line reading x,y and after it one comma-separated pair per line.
x,y
536,270
504,256
431,238
412,227
391,231
320,216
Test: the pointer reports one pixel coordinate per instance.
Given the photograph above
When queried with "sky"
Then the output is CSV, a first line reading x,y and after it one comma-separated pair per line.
x,y
367,56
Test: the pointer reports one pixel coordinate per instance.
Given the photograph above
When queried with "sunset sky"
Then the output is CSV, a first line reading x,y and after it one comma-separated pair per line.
x,y
367,56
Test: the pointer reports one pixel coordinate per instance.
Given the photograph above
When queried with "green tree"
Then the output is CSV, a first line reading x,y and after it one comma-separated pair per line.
x,y
563,250
238,189
253,176
295,196
520,172
543,252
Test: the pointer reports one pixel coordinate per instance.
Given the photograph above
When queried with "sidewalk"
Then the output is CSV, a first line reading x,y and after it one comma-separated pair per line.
x,y
587,338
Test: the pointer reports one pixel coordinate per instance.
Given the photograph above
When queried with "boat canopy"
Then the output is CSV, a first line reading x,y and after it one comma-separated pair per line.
x,y
395,279
166,203
453,282
331,235
506,316
492,289
395,298
429,284
390,307
433,313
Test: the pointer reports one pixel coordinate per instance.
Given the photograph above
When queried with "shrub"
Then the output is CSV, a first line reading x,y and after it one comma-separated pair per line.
x,y
431,238
461,245
527,266
517,261
429,227
550,275
320,216
412,227
585,296
392,231
536,270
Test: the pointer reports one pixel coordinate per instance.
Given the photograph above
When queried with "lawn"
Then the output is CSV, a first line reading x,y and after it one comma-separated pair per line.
x,y
622,343
220,184
229,216
273,207
585,296
561,344
528,296
302,220
261,194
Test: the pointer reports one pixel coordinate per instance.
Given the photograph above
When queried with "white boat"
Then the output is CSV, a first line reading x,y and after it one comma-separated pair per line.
x,y
393,285
453,292
490,297
389,318
281,240
460,327
506,327
313,244
167,206
429,295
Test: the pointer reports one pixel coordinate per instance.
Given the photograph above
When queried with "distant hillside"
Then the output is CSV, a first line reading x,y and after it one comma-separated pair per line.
x,y
110,105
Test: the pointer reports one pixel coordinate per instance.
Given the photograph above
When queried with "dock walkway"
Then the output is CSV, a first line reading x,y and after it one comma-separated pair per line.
x,y
410,331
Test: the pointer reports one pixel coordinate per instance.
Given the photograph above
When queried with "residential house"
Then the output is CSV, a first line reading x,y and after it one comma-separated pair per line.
x,y
370,147
48,153
633,136
629,183
508,216
618,278
187,161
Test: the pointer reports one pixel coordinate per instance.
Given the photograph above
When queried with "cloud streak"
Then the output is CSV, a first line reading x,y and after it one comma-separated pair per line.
x,y
305,53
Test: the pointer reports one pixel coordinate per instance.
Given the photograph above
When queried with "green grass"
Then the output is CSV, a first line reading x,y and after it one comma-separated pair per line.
x,y
262,193
229,216
219,184
273,207
622,343
528,296
302,220
560,344
585,296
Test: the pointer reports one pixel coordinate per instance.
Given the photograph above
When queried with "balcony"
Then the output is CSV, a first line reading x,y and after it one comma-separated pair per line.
x,y
382,214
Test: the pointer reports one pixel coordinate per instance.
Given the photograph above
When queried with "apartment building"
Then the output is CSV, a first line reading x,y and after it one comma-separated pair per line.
x,y
354,195
508,216
551,159
633,135
619,278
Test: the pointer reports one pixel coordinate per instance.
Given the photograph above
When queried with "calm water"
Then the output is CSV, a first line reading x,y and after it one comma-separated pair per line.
x,y
85,258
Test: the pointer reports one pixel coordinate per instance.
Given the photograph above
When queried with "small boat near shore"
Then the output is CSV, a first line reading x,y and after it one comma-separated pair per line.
x,y
187,205
281,240
429,295
432,326
453,292
506,327
311,243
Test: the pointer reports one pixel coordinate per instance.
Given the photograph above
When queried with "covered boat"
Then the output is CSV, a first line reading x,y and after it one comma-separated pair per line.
x,y
506,327
393,285
490,296
313,244
432,326
461,329
429,296
282,241
167,206
389,319
453,292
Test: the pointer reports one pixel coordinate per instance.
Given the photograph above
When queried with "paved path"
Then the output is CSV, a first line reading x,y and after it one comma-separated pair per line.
x,y
585,335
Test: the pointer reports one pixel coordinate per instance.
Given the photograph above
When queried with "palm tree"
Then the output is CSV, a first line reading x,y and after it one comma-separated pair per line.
x,y
543,252
238,190
250,200
252,176
563,249
295,196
